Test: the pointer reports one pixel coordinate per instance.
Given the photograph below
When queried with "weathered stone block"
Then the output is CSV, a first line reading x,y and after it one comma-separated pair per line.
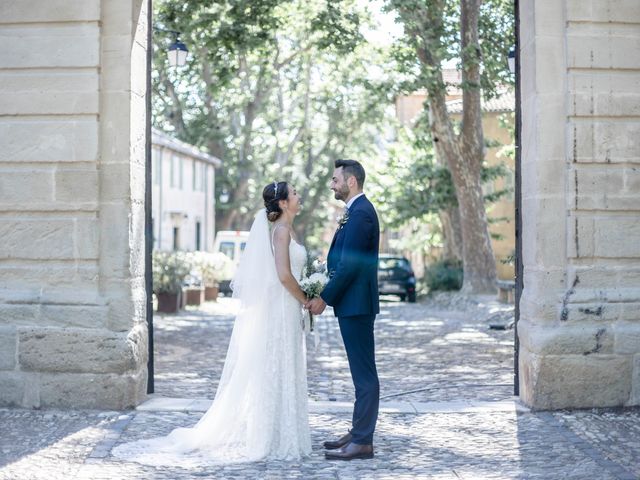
x,y
608,237
127,303
48,141
116,134
11,389
8,342
116,63
79,316
79,350
71,45
635,392
584,339
585,48
616,237
539,230
115,249
605,104
538,310
114,190
606,188
19,314
66,283
550,67
626,11
600,312
627,336
117,18
93,391
598,141
576,381
57,93
37,238
76,185
26,186
605,283
32,11
86,238
50,238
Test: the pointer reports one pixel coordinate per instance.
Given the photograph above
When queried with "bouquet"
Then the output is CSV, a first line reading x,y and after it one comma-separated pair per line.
x,y
314,279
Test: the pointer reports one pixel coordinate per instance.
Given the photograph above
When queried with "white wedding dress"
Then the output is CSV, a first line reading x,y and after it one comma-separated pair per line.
x,y
260,410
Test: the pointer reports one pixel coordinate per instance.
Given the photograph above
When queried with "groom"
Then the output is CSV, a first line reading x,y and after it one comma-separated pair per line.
x,y
352,291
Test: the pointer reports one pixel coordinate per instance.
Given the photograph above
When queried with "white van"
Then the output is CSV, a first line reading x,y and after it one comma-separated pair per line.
x,y
232,244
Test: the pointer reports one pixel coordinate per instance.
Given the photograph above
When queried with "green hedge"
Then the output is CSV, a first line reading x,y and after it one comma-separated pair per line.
x,y
444,275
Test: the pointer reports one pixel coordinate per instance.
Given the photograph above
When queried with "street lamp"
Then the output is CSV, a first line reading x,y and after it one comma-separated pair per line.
x,y
177,51
512,60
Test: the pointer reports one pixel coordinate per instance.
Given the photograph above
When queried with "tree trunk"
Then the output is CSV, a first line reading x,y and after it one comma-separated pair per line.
x,y
478,260
452,233
463,152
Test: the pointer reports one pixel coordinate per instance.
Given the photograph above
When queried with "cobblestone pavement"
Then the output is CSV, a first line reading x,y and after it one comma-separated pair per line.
x,y
447,355
460,422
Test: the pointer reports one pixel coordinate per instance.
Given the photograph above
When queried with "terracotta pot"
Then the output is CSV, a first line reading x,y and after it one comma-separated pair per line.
x,y
195,295
168,302
211,293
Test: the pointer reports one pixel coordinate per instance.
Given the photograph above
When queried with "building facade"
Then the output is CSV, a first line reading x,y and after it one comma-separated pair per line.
x,y
183,205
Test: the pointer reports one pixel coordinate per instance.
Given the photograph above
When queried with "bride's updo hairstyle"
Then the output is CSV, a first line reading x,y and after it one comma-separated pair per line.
x,y
272,194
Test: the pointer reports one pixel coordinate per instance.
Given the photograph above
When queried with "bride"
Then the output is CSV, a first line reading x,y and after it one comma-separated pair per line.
x,y
260,409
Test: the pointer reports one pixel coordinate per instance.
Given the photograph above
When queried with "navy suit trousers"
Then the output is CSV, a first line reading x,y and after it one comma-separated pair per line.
x,y
357,334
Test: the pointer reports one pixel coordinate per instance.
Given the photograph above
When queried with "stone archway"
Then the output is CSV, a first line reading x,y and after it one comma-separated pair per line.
x,y
73,124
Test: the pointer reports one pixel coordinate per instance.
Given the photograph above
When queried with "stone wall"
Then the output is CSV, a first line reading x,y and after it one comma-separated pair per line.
x,y
580,309
72,130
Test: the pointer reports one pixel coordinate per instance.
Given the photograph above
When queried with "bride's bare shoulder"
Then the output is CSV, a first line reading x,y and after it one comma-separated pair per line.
x,y
281,235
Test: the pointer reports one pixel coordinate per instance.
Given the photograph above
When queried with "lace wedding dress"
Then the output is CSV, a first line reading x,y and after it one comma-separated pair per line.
x,y
260,409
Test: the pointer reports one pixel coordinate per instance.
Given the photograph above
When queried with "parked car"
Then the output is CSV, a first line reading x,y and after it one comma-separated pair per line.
x,y
396,277
232,244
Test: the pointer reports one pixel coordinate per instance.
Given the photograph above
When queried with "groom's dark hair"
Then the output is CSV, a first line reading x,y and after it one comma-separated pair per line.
x,y
352,168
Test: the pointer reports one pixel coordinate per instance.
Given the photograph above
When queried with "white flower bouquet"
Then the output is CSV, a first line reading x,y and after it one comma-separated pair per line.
x,y
314,279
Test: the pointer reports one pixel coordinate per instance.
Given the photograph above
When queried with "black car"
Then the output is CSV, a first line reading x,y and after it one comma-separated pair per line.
x,y
396,277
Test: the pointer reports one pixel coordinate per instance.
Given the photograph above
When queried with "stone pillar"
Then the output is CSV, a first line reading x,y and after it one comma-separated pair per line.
x,y
580,310
72,130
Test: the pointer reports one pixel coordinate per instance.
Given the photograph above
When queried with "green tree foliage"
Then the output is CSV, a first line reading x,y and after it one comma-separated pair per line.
x,y
276,89
478,34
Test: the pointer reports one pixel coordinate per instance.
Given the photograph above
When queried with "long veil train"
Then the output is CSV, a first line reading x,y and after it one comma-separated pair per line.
x,y
260,407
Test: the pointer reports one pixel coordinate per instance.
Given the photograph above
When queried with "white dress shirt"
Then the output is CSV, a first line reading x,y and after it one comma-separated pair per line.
x,y
354,199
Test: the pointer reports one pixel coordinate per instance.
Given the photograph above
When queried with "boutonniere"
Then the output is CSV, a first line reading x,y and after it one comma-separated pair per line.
x,y
342,221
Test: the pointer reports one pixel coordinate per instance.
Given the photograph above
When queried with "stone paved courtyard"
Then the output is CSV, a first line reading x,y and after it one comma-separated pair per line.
x,y
448,410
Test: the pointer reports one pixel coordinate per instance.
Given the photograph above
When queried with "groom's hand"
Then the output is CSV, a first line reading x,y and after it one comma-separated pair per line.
x,y
317,306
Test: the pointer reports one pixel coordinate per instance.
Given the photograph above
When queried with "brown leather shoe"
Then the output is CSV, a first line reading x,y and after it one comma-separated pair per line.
x,y
351,451
341,442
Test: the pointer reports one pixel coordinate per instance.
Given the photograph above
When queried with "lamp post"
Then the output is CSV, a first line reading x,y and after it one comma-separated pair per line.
x,y
511,59
514,67
177,51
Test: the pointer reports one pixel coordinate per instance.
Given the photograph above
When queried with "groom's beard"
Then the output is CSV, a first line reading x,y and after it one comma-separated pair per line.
x,y
341,194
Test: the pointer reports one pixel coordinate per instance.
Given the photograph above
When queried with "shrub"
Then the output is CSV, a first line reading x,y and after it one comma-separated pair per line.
x,y
444,275
169,271
212,268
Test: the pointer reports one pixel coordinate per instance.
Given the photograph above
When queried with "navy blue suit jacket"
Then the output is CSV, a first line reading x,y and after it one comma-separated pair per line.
x,y
353,263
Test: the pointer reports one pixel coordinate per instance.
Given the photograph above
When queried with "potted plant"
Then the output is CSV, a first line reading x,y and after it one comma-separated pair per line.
x,y
169,271
212,267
